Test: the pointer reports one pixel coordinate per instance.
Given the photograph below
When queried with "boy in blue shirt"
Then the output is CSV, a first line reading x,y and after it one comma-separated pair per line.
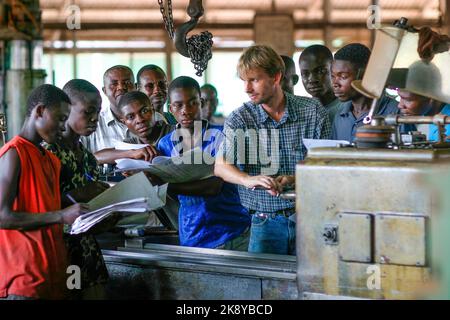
x,y
349,64
211,215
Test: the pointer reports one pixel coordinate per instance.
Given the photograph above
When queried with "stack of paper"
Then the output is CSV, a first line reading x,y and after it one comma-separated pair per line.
x,y
119,145
190,167
88,220
134,194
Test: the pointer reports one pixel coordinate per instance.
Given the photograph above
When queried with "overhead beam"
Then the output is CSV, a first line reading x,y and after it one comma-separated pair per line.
x,y
212,26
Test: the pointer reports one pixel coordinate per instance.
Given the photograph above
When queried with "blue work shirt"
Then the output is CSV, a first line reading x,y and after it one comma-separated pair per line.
x,y
434,129
209,221
345,123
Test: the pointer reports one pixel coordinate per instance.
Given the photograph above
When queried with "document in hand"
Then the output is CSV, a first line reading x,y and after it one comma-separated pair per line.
x,y
119,145
323,143
189,167
134,194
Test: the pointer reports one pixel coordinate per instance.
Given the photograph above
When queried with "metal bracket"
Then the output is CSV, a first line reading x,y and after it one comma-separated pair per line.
x,y
330,234
2,129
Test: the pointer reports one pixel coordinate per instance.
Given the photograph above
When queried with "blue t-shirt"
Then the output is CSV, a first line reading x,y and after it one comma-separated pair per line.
x,y
207,222
434,129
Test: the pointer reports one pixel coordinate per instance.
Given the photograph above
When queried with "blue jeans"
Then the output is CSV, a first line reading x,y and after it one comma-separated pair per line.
x,y
271,233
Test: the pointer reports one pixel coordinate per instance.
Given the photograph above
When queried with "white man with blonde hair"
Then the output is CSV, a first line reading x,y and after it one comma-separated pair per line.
x,y
274,121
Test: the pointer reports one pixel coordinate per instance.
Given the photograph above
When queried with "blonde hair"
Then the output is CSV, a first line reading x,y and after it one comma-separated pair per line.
x,y
263,57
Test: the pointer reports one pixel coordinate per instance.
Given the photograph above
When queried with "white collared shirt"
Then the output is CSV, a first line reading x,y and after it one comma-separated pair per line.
x,y
160,117
109,131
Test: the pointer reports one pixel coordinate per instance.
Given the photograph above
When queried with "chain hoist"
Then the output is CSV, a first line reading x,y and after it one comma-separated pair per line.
x,y
167,17
197,47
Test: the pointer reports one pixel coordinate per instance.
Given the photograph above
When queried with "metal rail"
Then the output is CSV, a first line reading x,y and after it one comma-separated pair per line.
x,y
207,260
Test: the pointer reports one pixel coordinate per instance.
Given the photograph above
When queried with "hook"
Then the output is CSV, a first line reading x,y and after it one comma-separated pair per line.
x,y
195,11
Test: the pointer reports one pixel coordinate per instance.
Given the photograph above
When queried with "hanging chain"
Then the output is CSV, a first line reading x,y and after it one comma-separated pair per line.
x,y
167,18
199,49
199,46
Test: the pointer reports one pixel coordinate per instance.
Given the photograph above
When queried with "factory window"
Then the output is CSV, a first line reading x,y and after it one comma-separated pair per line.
x,y
92,65
140,59
59,68
299,89
222,74
182,66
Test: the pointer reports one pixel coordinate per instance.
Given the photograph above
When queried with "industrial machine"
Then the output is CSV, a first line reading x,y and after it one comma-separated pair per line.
x,y
364,221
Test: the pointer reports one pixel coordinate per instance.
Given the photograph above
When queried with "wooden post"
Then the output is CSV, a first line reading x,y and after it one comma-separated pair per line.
x,y
276,31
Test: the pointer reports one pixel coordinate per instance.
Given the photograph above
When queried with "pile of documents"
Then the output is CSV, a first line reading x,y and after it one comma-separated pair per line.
x,y
90,219
132,195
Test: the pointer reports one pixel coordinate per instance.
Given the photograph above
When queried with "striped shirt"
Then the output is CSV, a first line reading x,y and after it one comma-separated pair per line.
x,y
257,144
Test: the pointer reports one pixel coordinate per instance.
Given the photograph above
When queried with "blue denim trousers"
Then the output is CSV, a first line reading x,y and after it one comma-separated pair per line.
x,y
272,233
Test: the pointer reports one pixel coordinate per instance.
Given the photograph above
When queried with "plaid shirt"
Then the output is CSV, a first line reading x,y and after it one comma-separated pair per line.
x,y
272,148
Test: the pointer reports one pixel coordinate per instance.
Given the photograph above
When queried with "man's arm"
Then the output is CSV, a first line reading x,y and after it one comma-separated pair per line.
x,y
9,179
232,174
110,155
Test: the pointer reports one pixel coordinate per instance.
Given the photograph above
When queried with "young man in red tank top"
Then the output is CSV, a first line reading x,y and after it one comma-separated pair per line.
x,y
33,258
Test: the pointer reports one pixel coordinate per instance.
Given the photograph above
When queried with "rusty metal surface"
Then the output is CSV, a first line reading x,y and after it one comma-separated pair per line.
x,y
375,185
355,237
400,240
269,266
171,272
397,282
128,281
346,153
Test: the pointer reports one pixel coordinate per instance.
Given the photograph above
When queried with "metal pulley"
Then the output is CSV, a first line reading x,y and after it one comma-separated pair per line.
x,y
377,134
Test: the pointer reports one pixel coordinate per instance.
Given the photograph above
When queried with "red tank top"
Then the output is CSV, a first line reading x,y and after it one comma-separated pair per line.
x,y
33,263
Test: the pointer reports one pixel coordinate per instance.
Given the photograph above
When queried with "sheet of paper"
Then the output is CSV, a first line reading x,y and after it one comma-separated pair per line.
x,y
126,164
321,143
88,220
136,186
128,146
189,167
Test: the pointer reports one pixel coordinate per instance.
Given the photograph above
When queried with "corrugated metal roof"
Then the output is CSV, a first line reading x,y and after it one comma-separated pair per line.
x,y
231,14
234,11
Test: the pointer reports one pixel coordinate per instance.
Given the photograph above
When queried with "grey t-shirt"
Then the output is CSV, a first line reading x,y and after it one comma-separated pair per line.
x,y
160,130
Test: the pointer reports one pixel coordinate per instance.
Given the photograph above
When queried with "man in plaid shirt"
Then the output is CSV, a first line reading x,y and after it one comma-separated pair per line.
x,y
264,142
